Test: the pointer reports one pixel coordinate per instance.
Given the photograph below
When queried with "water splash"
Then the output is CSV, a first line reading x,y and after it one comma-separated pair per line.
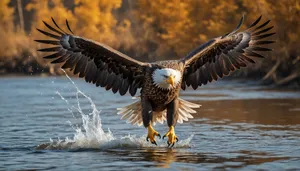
x,y
90,134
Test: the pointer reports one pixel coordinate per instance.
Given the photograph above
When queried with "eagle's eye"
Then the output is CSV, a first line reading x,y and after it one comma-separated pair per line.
x,y
165,76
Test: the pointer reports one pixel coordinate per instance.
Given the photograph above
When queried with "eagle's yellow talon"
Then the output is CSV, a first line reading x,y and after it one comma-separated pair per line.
x,y
172,145
151,135
171,137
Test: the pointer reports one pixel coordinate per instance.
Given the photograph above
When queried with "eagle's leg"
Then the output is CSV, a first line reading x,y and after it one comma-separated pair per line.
x,y
172,120
147,118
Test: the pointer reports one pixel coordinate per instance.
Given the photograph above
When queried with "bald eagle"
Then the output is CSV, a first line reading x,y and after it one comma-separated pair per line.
x,y
159,82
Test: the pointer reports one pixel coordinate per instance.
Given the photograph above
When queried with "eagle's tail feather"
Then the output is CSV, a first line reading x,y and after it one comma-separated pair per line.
x,y
185,110
133,113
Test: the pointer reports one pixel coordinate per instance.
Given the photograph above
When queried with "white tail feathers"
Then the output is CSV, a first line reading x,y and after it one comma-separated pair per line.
x,y
133,112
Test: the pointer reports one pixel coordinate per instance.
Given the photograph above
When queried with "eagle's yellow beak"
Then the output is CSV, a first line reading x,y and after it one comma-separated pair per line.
x,y
170,80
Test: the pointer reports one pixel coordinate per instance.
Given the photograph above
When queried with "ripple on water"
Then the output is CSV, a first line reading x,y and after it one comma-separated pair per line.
x,y
229,131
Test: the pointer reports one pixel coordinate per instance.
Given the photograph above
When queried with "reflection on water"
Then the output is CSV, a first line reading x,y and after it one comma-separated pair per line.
x,y
164,157
258,111
245,127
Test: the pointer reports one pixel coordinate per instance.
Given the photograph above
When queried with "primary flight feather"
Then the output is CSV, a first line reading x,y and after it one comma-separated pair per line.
x,y
160,82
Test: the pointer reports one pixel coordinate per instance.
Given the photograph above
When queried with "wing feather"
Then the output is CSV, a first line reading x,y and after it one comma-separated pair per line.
x,y
97,63
61,59
222,55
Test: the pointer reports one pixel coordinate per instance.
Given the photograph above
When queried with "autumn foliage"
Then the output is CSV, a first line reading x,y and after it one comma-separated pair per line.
x,y
155,30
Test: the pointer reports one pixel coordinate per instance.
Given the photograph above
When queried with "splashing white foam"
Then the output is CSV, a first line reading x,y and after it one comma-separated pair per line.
x,y
90,134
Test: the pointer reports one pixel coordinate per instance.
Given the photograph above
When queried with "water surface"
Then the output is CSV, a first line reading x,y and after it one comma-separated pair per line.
x,y
46,123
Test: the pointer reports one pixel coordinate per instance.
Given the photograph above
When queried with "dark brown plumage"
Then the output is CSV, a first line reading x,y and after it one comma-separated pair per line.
x,y
98,63
108,68
220,56
159,102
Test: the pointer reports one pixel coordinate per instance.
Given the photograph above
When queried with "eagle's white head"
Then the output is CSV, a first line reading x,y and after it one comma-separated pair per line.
x,y
166,78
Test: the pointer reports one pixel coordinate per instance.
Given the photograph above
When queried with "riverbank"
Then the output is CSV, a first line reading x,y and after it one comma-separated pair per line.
x,y
28,65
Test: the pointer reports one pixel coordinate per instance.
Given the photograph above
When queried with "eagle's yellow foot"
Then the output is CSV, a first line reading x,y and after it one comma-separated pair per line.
x,y
151,135
171,136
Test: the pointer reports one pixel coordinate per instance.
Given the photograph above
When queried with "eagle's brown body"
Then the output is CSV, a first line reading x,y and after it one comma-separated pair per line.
x,y
160,98
103,66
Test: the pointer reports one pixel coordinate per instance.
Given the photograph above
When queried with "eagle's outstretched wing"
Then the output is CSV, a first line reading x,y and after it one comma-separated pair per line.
x,y
98,63
220,56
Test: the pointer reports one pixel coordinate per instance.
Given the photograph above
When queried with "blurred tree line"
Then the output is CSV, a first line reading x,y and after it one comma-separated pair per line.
x,y
150,30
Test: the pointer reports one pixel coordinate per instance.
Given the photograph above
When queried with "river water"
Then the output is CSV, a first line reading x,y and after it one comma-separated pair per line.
x,y
56,124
